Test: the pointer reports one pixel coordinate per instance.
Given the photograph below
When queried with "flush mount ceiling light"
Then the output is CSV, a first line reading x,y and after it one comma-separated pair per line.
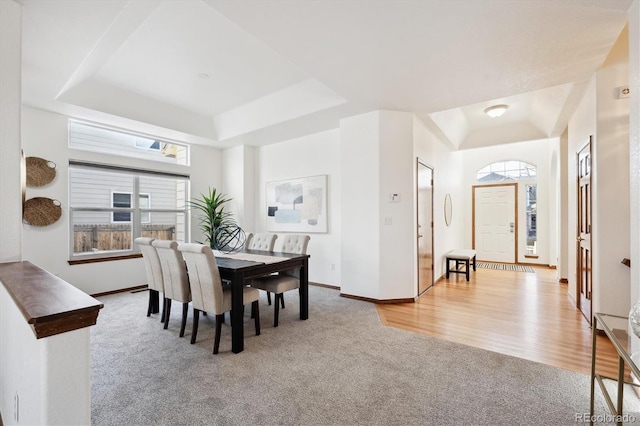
x,y
496,110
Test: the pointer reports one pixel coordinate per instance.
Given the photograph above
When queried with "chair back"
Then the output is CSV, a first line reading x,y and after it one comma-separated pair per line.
x,y
151,263
296,244
293,243
204,277
174,271
261,241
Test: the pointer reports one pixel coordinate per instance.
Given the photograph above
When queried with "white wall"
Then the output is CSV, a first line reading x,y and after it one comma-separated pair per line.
x,y
611,184
606,117
44,134
397,167
634,147
447,178
359,205
316,154
239,184
378,236
581,125
536,152
563,208
10,101
552,199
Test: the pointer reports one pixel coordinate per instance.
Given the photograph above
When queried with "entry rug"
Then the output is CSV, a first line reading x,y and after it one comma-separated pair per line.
x,y
505,267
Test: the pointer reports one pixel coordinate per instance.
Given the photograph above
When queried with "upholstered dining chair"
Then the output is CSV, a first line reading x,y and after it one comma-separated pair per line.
x,y
261,241
175,278
287,280
153,270
207,291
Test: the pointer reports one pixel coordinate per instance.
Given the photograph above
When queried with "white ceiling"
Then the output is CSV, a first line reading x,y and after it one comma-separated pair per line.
x,y
257,72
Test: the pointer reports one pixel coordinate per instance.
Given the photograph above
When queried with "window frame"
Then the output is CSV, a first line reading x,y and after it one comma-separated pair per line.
x,y
145,213
503,169
113,205
135,211
131,142
531,217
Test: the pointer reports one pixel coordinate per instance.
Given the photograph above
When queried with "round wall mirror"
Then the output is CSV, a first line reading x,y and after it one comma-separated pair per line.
x,y
448,209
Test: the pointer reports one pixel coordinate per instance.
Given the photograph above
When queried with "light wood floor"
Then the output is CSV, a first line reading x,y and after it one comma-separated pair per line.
x,y
526,315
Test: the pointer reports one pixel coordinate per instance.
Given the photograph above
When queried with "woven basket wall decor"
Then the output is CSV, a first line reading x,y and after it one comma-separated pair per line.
x,y
40,172
41,211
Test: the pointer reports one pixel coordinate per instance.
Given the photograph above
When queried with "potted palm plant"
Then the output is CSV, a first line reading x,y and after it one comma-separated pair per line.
x,y
220,228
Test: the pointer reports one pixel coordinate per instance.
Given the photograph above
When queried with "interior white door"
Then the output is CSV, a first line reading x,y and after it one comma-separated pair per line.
x,y
425,227
584,252
495,223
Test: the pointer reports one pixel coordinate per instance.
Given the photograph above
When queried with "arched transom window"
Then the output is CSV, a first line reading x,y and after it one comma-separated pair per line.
x,y
506,171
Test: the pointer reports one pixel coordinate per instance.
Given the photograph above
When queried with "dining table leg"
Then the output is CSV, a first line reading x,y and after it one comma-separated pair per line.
x,y
304,290
237,312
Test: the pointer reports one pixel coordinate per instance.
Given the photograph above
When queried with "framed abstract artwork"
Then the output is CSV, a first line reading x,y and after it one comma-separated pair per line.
x,y
297,205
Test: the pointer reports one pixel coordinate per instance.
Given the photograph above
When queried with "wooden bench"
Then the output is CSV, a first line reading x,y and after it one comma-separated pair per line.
x,y
460,256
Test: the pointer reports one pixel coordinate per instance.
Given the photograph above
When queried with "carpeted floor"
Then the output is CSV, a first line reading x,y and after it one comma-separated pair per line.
x,y
504,267
340,367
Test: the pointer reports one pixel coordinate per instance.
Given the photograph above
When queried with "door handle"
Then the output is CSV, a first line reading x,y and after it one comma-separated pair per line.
x,y
578,239
420,235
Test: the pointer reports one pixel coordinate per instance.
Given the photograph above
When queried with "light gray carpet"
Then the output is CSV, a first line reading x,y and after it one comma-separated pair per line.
x,y
504,267
340,367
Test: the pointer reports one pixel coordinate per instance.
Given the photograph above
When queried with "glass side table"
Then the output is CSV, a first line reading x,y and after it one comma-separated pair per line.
x,y
618,331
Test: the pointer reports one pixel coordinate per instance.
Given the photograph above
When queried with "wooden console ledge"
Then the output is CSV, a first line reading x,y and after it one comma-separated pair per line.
x,y
50,304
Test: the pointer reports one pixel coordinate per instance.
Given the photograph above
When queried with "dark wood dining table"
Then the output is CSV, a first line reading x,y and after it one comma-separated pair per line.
x,y
239,270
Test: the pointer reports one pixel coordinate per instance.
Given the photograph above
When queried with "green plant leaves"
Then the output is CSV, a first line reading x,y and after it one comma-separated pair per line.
x,y
212,214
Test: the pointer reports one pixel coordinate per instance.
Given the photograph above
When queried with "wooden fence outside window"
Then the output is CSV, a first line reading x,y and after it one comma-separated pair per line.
x,y
105,237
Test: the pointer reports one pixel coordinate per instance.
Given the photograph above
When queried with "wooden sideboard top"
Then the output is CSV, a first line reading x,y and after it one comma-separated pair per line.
x,y
50,304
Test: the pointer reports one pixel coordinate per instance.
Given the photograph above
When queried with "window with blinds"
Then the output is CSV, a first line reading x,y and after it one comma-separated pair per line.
x,y
109,206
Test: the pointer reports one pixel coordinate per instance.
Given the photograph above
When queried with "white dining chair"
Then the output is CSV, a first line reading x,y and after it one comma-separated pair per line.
x,y
287,280
175,278
154,272
261,241
207,291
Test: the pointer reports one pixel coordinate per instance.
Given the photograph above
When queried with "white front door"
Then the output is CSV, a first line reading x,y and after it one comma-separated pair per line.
x,y
495,228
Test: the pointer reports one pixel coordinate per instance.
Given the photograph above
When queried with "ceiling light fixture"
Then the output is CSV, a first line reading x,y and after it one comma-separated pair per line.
x,y
496,110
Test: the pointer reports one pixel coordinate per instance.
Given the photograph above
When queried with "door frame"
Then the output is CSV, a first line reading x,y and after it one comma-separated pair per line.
x,y
420,162
589,290
515,215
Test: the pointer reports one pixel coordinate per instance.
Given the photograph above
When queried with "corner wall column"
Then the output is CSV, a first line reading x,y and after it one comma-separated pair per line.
x,y
378,230
10,107
634,147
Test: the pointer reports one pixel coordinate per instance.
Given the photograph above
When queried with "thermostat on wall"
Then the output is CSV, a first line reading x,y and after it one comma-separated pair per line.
x,y
623,92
